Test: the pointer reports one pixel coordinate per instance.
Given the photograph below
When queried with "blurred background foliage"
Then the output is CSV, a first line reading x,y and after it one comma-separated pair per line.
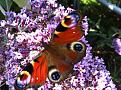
x,y
103,24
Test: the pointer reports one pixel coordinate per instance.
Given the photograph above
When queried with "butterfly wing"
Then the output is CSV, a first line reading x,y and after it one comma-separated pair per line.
x,y
65,50
40,71
33,75
68,30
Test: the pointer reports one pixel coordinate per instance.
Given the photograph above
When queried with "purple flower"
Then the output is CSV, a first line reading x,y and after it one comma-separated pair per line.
x,y
85,25
117,45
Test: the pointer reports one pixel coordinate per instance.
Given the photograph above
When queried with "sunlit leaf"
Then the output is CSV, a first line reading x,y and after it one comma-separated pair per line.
x,y
2,16
88,1
2,10
22,3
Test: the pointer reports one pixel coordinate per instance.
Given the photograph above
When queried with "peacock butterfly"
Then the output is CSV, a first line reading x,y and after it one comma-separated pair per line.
x,y
57,60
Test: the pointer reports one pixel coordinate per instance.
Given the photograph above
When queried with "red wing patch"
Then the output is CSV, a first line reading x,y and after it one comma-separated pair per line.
x,y
40,71
68,36
34,74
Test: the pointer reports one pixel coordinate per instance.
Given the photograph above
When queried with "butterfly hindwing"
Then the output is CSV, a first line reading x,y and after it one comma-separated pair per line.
x,y
63,58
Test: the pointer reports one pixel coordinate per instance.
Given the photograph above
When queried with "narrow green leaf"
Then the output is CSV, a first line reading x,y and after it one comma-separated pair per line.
x,y
6,4
2,16
2,10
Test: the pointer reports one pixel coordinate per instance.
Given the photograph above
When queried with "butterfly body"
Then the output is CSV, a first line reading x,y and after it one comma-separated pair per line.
x,y
59,57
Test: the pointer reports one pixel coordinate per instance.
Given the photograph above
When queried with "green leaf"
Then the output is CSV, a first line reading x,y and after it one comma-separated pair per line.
x,y
6,4
17,9
88,1
2,16
2,10
23,3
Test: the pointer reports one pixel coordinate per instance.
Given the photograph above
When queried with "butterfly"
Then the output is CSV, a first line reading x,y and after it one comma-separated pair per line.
x,y
57,60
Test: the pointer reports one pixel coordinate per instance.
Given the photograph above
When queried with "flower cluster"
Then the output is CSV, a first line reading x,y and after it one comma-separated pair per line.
x,y
27,30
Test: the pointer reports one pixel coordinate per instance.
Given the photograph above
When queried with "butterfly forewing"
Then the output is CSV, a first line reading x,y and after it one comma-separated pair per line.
x,y
68,36
37,70
40,71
